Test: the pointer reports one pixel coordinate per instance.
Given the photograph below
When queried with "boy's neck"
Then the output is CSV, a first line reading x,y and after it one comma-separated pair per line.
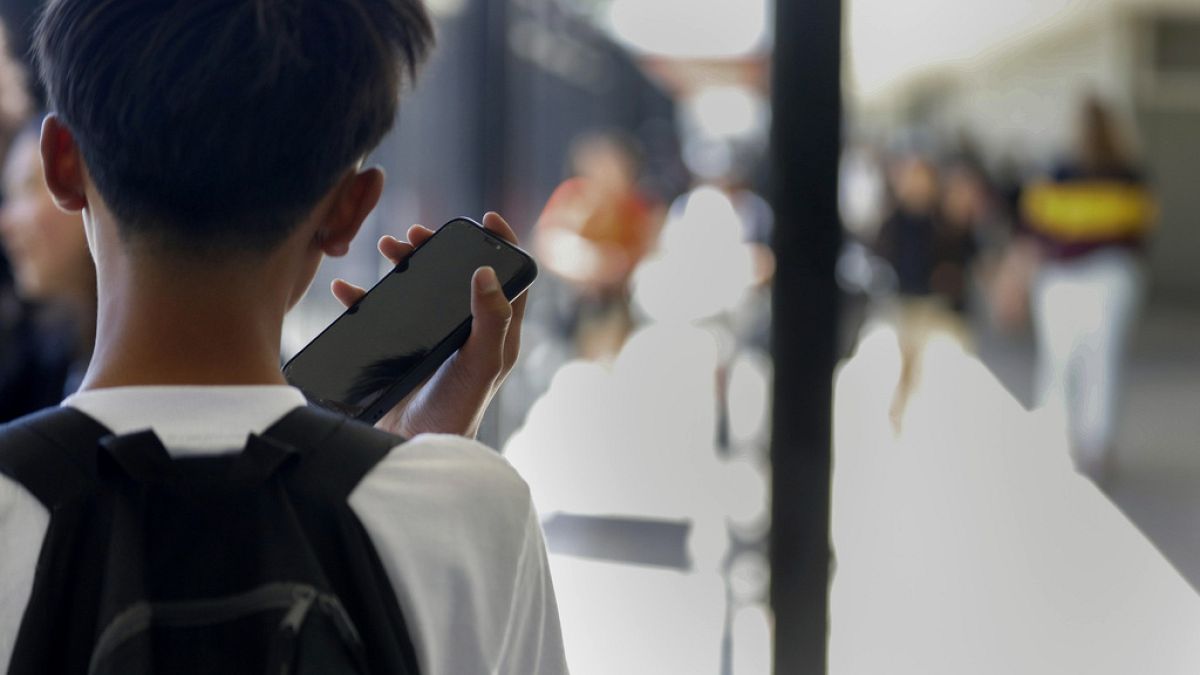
x,y
158,328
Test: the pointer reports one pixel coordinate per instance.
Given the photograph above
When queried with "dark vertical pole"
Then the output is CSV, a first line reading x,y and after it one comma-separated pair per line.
x,y
805,141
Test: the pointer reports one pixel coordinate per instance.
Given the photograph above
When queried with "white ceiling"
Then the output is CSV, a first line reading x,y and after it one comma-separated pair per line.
x,y
890,42
712,29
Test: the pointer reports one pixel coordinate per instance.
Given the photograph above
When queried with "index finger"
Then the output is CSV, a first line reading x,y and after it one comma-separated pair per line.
x,y
493,222
397,251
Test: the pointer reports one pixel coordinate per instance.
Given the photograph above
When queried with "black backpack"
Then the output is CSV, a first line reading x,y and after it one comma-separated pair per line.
x,y
249,562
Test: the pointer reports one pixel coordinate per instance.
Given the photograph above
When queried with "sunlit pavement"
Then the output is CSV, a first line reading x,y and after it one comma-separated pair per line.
x,y
969,545
635,442
654,535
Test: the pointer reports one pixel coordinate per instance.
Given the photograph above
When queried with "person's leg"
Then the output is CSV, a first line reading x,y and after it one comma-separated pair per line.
x,y
1115,286
904,341
918,319
1054,332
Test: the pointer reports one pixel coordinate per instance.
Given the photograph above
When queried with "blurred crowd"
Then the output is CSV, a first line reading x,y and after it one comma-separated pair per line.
x,y
942,241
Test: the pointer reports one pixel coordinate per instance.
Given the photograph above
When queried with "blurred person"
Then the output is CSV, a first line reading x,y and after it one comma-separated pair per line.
x,y
216,152
51,341
20,16
906,236
964,209
1011,176
15,101
908,239
592,233
1086,228
862,191
15,108
19,353
1009,259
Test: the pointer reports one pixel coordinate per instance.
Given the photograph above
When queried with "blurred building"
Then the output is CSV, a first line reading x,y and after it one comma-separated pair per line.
x,y
1013,76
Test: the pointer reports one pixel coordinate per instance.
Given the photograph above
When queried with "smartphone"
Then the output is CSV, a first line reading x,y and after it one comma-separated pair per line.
x,y
411,321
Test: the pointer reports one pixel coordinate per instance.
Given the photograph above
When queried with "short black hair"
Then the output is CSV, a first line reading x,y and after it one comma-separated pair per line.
x,y
216,125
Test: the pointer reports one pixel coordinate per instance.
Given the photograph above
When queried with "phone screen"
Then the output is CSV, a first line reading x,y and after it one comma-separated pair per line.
x,y
402,319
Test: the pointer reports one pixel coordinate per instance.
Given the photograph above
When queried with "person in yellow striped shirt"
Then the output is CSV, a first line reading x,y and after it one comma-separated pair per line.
x,y
1090,221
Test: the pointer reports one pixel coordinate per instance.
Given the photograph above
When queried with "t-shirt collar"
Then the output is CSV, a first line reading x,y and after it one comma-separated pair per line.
x,y
190,420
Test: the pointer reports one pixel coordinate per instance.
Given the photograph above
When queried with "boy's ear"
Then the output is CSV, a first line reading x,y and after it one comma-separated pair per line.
x,y
356,195
63,165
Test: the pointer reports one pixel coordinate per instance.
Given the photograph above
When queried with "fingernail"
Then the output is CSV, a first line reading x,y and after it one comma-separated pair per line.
x,y
487,281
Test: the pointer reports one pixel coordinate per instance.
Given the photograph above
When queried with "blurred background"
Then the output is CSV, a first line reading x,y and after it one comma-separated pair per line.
x,y
866,333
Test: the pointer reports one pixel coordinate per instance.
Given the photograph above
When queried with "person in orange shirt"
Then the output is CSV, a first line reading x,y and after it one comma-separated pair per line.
x,y
594,230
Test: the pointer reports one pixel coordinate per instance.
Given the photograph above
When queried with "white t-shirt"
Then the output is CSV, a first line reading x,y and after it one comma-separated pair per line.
x,y
451,521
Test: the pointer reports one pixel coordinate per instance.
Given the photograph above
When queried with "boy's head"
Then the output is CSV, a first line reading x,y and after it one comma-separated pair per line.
x,y
215,126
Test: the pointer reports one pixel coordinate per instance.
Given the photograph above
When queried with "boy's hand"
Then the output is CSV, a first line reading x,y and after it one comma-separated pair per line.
x,y
454,398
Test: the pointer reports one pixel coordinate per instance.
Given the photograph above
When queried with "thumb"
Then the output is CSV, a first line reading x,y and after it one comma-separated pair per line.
x,y
491,313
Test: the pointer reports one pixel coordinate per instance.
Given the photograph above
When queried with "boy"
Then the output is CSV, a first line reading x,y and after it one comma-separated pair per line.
x,y
215,148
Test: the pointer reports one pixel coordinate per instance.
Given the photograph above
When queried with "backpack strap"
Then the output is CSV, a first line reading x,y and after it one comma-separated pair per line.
x,y
337,452
52,453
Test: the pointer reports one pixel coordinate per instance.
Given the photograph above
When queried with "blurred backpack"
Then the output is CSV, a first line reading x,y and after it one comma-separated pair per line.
x,y
249,562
